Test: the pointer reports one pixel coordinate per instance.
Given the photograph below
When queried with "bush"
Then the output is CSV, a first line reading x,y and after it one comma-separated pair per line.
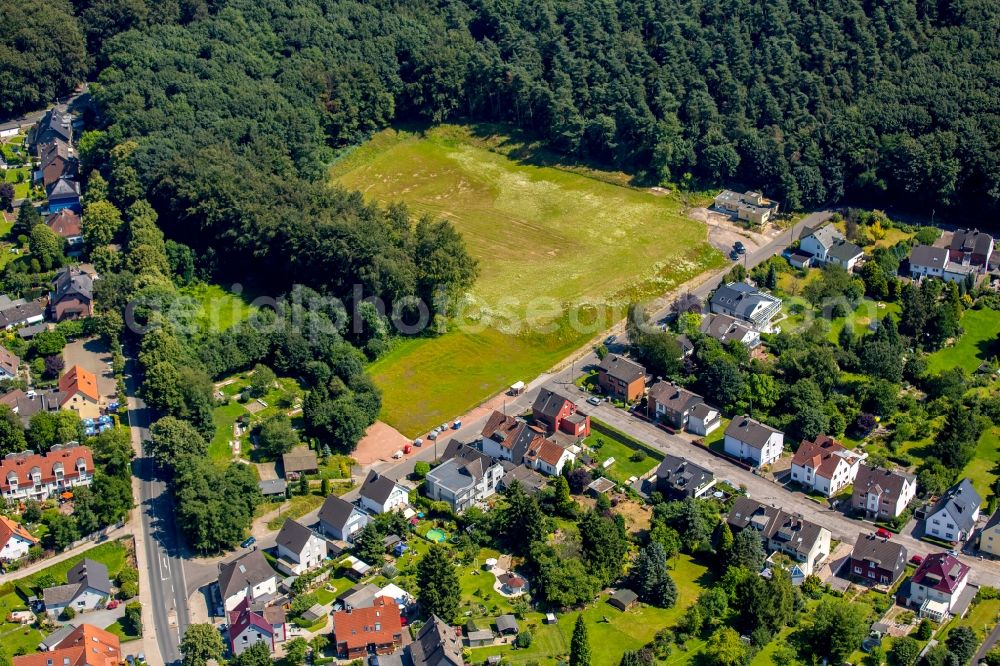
x,y
523,639
128,590
638,456
924,630
420,469
68,614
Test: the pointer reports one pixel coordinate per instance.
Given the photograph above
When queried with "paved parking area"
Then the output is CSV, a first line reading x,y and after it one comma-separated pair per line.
x,y
92,354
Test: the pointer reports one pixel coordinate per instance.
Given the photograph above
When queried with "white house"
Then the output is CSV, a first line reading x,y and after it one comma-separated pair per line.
x,y
30,475
547,457
828,246
954,516
937,584
466,477
882,493
248,576
339,519
15,540
805,542
751,440
88,585
299,548
825,466
745,302
380,494
249,626
704,419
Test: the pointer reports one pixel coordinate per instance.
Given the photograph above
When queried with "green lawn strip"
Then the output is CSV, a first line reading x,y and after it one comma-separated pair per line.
x,y
980,469
224,417
616,444
296,507
981,618
981,328
118,630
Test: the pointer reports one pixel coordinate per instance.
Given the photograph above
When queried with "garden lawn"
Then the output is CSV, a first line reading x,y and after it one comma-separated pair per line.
x,y
981,618
976,345
224,417
296,507
981,469
280,399
118,630
215,309
547,240
618,445
863,315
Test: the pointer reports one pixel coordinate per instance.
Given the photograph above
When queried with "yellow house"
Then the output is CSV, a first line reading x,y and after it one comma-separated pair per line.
x,y
78,391
989,538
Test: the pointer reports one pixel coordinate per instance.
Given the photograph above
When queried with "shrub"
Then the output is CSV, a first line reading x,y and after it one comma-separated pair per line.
x,y
523,639
638,455
68,613
128,590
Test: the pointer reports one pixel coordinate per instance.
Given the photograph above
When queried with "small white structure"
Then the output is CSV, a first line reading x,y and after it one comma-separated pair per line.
x,y
704,419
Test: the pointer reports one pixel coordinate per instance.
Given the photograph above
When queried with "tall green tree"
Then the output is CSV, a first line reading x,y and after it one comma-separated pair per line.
x,y
200,644
651,578
437,584
579,646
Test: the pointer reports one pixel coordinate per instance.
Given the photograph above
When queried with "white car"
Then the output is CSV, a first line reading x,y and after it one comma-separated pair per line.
x,y
594,400
397,455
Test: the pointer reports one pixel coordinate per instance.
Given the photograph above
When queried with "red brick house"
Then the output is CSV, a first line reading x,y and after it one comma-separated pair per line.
x,y
621,378
362,630
555,412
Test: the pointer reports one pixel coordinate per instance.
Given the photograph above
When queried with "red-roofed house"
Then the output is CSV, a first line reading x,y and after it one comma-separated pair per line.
x,y
79,392
362,630
825,466
547,457
248,627
67,224
34,476
86,645
937,584
14,540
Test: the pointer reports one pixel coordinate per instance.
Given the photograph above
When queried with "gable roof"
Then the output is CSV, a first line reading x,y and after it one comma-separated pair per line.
x,y
379,624
879,481
750,431
774,524
530,480
57,124
961,502
549,403
244,617
622,368
71,282
20,312
65,223
9,529
336,511
724,328
681,473
377,487
845,251
884,553
463,466
92,574
990,524
245,571
436,645
940,571
822,455
928,256
971,240
826,234
85,645
20,466
674,399
9,361
703,410
299,459
78,380
545,450
294,536
64,188
512,434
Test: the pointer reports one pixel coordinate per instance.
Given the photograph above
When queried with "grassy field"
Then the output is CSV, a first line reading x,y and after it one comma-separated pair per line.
x,y
976,345
980,469
296,507
606,442
547,240
214,308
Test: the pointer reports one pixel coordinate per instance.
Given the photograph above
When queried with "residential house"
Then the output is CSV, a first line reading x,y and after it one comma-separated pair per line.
x,y
436,644
58,160
554,412
882,494
803,541
466,477
380,494
704,419
67,225
930,262
300,460
622,378
299,548
15,540
877,561
9,363
507,438
937,584
26,406
547,457
273,488
750,206
530,481
21,312
56,125
377,629
989,538
361,595
828,246
971,247
78,391
671,403
954,516
677,478
725,329
85,645
339,519
746,303
751,440
87,586
249,576
72,295
64,193
825,466
36,476
249,626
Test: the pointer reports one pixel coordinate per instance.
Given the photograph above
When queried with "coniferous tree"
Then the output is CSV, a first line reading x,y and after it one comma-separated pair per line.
x,y
439,592
579,647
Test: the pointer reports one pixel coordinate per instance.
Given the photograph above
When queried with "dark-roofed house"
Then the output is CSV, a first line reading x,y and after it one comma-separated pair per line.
x,y
954,516
299,548
465,478
248,626
248,576
436,644
380,494
704,419
507,438
877,561
58,160
26,406
751,440
971,247
882,493
803,541
88,584
553,411
9,363
72,295
937,584
64,193
989,538
828,246
928,261
56,124
677,478
621,377
339,519
377,629
623,599
273,487
300,460
671,403
22,313
530,480
742,301
725,329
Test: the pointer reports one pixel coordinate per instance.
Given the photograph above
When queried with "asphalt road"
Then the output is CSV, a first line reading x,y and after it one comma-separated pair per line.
x,y
164,554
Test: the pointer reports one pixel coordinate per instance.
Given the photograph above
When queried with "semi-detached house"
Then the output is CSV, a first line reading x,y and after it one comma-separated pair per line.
x,y
805,542
877,561
825,466
247,577
881,493
467,477
35,476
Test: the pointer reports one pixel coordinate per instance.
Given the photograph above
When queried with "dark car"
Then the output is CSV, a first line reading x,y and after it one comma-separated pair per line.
x,y
249,542
738,246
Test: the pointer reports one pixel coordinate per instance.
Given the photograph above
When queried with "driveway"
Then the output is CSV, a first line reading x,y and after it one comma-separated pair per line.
x,y
92,354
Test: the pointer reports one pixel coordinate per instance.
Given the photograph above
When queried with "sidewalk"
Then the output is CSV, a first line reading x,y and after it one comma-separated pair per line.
x,y
65,555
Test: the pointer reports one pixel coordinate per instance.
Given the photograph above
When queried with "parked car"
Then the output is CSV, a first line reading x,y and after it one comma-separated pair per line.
x,y
444,426
610,340
432,435
249,542
917,559
397,455
407,448
883,533
113,604
594,400
738,246
418,442
734,255
456,425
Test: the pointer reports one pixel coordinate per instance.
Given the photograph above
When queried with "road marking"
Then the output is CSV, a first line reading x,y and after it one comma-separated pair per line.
x,y
164,563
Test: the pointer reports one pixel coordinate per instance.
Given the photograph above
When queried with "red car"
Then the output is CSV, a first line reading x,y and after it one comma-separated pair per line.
x,y
883,533
113,604
917,559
